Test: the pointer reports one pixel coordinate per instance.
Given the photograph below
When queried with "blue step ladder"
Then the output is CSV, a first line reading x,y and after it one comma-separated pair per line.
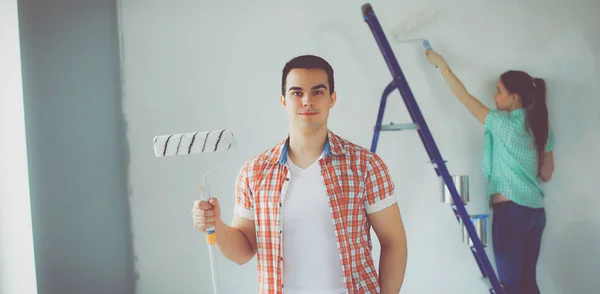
x,y
399,82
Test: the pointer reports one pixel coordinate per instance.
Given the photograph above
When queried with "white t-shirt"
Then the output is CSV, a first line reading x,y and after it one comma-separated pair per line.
x,y
311,260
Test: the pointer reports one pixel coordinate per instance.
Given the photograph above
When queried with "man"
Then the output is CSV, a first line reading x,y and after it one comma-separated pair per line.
x,y
306,206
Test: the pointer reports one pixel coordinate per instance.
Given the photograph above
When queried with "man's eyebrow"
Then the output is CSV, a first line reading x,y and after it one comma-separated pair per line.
x,y
319,86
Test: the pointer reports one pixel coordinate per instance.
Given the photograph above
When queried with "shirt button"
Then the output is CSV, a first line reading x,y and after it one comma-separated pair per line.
x,y
287,179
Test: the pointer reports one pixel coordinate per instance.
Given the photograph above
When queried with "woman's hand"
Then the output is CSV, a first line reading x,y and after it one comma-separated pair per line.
x,y
436,59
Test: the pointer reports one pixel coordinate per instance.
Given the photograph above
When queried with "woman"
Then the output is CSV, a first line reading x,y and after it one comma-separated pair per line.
x,y
518,152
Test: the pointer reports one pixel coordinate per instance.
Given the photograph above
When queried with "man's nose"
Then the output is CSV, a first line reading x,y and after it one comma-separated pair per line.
x,y
307,100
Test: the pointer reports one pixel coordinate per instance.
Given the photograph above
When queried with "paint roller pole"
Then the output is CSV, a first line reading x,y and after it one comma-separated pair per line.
x,y
211,241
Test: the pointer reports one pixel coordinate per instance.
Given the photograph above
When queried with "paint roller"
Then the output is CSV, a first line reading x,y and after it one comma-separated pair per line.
x,y
196,143
416,22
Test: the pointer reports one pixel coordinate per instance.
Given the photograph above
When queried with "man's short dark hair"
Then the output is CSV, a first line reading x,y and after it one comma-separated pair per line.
x,y
308,62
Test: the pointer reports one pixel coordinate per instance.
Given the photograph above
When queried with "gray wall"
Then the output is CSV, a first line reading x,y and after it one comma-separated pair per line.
x,y
77,149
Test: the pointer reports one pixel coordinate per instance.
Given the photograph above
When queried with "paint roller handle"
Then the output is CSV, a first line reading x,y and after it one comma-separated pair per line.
x,y
211,237
427,46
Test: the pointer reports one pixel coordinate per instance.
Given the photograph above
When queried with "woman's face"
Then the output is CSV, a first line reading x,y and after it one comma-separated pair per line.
x,y
504,100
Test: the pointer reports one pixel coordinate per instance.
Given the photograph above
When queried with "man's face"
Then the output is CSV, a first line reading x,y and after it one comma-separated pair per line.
x,y
307,100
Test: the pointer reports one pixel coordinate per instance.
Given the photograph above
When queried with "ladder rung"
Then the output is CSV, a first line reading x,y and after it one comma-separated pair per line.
x,y
399,127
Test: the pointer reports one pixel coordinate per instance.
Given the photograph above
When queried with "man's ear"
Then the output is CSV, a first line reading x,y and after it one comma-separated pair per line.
x,y
333,100
282,100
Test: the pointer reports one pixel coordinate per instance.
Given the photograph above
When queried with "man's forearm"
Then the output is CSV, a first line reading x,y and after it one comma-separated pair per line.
x,y
233,244
392,267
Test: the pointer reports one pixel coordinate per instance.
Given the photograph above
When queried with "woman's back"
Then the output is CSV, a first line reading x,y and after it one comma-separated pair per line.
x,y
511,158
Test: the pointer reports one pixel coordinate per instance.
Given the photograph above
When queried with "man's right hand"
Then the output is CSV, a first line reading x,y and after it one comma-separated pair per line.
x,y
205,214
236,242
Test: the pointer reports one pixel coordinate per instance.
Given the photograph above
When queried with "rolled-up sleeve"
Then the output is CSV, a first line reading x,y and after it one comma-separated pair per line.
x,y
379,188
244,201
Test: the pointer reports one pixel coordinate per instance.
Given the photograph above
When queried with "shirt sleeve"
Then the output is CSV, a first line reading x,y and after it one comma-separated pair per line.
x,y
496,123
244,201
379,188
550,142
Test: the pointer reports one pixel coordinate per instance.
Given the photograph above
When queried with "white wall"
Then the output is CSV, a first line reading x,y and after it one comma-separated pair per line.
x,y
193,66
17,265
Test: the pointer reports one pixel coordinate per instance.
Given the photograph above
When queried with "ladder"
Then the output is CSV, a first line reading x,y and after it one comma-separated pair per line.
x,y
399,82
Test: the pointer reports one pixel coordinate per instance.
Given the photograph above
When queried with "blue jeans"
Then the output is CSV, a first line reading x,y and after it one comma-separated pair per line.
x,y
517,236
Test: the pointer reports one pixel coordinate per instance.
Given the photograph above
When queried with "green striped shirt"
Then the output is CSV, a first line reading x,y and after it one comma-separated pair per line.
x,y
510,158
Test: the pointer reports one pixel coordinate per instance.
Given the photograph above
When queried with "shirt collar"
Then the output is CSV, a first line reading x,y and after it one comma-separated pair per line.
x,y
519,112
333,147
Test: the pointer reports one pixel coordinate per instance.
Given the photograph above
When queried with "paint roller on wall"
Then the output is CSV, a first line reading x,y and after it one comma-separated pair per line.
x,y
420,20
196,143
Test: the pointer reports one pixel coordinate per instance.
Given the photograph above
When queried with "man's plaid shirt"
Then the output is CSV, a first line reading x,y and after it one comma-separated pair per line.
x,y
357,183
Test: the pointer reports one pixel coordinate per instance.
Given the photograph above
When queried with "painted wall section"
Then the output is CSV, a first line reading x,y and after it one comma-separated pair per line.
x,y
76,145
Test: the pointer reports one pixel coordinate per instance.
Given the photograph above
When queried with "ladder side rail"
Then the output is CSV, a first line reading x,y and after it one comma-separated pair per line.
x,y
389,89
394,67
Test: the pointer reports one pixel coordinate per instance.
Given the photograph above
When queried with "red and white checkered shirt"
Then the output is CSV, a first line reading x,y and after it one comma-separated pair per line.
x,y
357,183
